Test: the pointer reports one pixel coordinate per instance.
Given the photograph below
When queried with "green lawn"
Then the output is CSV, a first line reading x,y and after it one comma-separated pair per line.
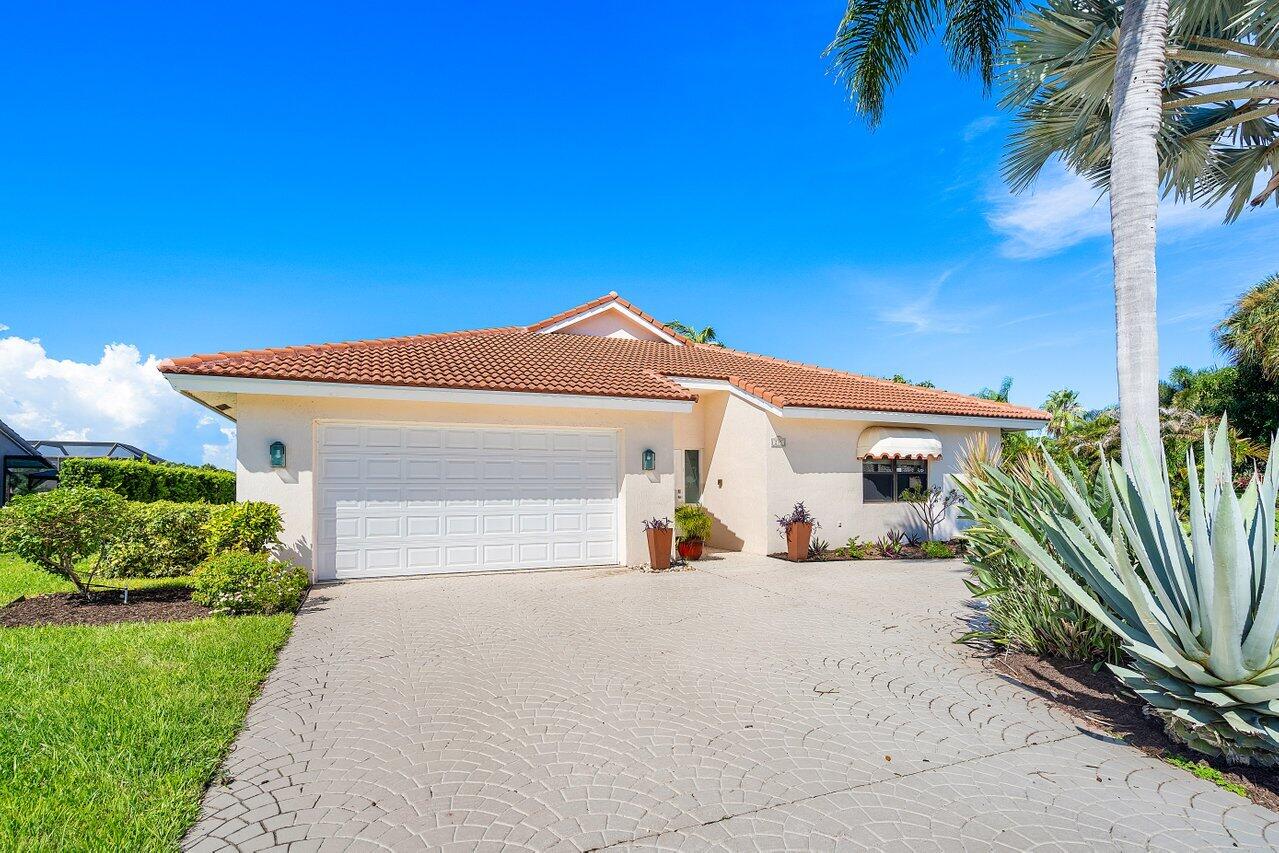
x,y
108,735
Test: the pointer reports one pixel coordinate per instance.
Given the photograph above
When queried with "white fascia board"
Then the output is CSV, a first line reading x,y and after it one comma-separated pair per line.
x,y
191,385
912,418
695,384
612,306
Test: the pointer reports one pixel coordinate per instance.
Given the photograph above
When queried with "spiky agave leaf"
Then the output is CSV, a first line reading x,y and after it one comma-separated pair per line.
x,y
1196,608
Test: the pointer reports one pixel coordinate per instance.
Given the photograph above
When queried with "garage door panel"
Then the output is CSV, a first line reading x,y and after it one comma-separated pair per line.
x,y
383,468
532,440
423,469
339,436
422,525
412,499
423,559
383,528
383,437
339,468
461,439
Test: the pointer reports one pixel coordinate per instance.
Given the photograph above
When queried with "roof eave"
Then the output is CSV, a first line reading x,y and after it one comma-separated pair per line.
x,y
194,384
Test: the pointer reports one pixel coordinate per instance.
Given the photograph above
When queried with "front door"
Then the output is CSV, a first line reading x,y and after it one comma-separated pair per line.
x,y
692,476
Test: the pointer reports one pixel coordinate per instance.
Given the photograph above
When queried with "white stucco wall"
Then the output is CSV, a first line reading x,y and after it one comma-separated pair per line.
x,y
734,458
818,466
263,419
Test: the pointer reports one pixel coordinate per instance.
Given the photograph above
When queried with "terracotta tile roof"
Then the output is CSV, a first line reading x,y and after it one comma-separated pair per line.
x,y
520,358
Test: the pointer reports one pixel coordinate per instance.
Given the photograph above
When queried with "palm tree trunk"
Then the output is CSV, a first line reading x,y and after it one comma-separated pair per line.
x,y
1134,206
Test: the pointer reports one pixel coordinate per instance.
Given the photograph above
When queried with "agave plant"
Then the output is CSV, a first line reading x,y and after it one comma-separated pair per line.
x,y
1196,608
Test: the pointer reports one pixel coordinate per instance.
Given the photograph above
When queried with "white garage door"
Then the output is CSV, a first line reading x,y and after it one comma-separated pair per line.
x,y
396,500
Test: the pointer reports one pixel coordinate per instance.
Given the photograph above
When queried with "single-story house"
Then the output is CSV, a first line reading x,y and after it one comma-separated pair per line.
x,y
548,445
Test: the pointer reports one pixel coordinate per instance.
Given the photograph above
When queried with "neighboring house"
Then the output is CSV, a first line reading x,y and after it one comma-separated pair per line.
x,y
22,467
55,450
548,445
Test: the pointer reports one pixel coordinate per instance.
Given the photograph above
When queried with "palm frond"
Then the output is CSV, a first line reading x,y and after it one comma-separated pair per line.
x,y
872,45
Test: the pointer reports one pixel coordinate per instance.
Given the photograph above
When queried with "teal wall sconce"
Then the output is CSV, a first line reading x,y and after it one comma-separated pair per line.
x,y
277,454
648,460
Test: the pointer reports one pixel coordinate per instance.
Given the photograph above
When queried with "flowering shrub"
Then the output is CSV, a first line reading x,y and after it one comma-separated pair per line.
x,y
239,582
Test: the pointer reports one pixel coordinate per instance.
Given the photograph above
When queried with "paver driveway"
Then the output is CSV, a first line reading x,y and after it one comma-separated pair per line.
x,y
748,704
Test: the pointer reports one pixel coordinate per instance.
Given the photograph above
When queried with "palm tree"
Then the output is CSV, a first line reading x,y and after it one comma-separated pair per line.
x,y
870,51
1000,394
1065,411
697,336
1250,333
1220,98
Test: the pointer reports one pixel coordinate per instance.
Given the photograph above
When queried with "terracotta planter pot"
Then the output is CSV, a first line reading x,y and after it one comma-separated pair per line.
x,y
690,549
798,536
659,549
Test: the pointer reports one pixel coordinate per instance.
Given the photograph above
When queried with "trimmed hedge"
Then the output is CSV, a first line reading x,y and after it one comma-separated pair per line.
x,y
150,481
161,539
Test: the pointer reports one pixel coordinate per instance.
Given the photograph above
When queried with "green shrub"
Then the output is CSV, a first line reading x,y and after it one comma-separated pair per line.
x,y
239,582
58,529
160,539
1024,609
937,550
150,481
692,521
854,549
248,526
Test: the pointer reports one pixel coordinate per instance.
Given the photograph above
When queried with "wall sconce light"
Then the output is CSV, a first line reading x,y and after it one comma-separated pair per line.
x,y
277,454
648,460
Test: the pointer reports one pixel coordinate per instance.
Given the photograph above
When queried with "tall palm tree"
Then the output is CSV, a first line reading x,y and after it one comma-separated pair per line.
x,y
1250,333
1220,130
872,46
1064,410
697,336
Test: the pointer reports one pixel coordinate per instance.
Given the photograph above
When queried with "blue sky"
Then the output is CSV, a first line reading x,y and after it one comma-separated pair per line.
x,y
178,180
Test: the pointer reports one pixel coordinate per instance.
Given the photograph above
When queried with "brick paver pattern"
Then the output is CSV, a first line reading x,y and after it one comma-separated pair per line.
x,y
749,704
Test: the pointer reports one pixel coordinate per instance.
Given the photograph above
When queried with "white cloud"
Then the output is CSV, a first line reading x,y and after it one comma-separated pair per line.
x,y
1062,210
979,126
222,455
121,397
918,310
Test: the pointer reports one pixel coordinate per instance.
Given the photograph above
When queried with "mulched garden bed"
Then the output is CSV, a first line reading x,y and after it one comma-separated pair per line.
x,y
1094,698
106,608
872,552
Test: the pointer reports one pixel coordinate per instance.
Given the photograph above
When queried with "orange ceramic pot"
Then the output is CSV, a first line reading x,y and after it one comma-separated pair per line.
x,y
659,549
798,535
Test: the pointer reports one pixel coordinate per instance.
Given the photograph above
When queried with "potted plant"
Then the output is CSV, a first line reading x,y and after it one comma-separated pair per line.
x,y
659,535
694,525
797,528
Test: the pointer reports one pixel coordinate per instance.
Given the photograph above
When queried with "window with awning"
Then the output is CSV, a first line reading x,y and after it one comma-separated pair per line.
x,y
881,443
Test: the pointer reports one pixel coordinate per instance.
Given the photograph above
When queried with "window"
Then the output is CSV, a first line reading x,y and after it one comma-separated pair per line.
x,y
692,476
884,482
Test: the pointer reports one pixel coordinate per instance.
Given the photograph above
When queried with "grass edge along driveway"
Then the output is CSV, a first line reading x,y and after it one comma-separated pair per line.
x,y
110,734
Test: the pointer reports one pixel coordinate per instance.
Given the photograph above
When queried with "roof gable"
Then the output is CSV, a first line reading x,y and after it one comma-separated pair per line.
x,y
609,316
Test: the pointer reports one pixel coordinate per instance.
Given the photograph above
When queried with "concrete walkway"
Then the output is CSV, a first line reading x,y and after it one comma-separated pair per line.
x,y
750,704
